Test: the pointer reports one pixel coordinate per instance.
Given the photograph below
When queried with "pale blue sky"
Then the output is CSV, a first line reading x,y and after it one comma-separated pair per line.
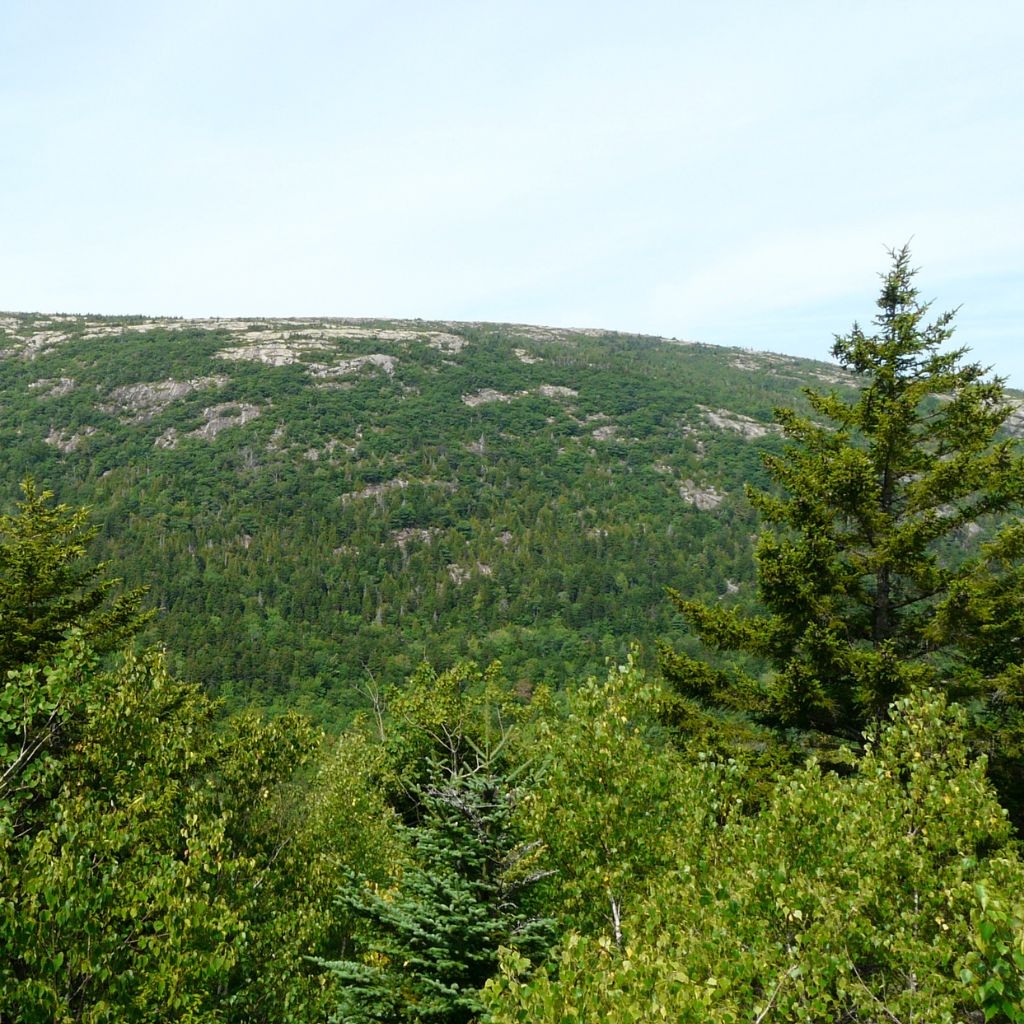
x,y
728,172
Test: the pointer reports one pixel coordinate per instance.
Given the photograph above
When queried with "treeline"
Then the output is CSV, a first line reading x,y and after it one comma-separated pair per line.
x,y
461,855
820,824
359,529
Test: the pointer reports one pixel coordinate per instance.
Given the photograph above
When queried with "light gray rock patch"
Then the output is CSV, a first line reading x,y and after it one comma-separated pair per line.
x,y
375,490
141,402
485,395
66,442
53,387
704,498
221,417
723,419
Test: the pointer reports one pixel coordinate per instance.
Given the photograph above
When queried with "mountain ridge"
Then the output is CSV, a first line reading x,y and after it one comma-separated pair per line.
x,y
315,501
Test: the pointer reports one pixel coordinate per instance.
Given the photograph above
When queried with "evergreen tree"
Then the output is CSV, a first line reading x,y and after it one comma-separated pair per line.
x,y
862,565
47,587
55,617
429,947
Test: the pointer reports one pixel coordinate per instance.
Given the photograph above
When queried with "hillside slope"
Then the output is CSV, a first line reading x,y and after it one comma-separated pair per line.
x,y
317,505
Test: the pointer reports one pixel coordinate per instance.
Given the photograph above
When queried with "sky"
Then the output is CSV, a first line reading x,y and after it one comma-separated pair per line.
x,y
729,172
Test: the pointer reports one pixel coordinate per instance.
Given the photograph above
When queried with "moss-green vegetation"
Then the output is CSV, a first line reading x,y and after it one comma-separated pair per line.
x,y
812,837
549,864
480,490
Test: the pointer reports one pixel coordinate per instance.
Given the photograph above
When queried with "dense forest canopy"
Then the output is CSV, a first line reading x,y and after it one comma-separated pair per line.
x,y
805,826
313,504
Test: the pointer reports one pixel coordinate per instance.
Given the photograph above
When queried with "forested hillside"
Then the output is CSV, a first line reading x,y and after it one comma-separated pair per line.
x,y
318,505
810,814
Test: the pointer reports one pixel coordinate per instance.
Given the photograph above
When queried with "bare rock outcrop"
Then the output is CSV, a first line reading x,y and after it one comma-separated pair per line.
x,y
704,498
140,402
67,442
221,417
53,387
746,426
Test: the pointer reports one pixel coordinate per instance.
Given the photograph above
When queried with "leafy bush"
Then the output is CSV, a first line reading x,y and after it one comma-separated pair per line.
x,y
846,898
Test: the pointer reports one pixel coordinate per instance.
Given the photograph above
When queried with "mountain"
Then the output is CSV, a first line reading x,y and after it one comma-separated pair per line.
x,y
317,505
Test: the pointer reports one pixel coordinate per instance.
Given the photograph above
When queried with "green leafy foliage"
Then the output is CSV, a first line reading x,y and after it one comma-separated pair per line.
x,y
47,587
845,898
448,754
607,803
995,968
172,863
108,907
456,718
41,714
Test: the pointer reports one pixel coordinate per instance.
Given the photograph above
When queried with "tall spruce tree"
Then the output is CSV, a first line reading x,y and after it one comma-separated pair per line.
x,y
48,586
862,564
428,947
